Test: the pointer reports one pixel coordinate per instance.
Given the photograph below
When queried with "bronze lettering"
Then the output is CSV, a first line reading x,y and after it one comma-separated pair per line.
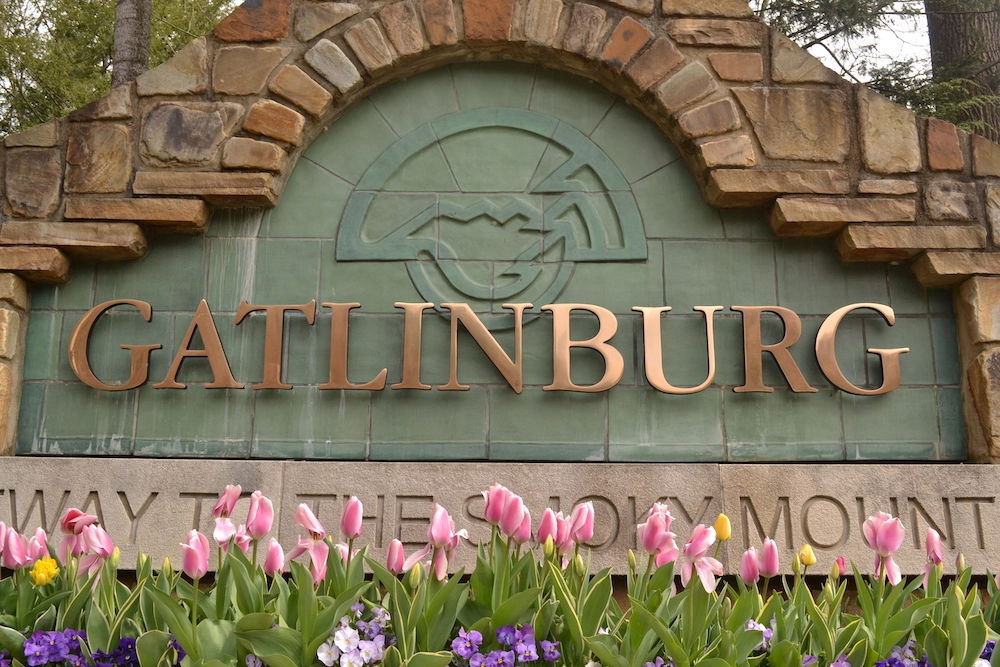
x,y
826,353
754,349
413,323
222,375
79,341
274,334
614,364
338,352
653,352
511,370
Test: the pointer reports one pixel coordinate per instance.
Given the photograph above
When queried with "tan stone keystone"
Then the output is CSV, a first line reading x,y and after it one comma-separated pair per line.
x,y
35,264
946,269
226,190
823,216
88,240
173,214
742,187
864,243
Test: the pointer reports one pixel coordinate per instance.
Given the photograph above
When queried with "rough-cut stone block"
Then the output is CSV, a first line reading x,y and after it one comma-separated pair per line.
x,y
944,150
948,200
189,215
14,290
716,32
661,58
10,326
439,21
541,21
985,156
946,269
586,26
243,70
45,135
488,20
887,243
369,45
740,187
790,63
709,119
403,27
334,66
229,189
87,240
823,216
318,17
889,141
242,153
275,120
116,105
37,265
737,66
32,181
993,210
984,386
734,151
798,123
628,38
255,21
735,9
186,135
98,158
644,7
887,186
186,73
299,88
979,308
692,83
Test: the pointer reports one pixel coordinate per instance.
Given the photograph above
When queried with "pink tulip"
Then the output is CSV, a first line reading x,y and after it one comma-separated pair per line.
x,y
342,551
653,535
662,510
350,521
274,563
242,539
317,561
564,536
841,566
195,555
884,534
513,515
224,531
74,521
768,561
261,515
305,518
582,522
98,541
227,501
395,557
548,526
496,499
935,554
38,546
441,529
523,532
15,550
702,537
749,569
440,564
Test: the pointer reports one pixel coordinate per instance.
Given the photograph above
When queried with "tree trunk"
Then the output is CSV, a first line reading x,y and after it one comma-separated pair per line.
x,y
132,27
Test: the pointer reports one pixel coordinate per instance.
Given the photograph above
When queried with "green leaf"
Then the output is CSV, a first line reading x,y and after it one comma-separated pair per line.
x,y
178,624
514,607
98,630
567,604
606,651
249,596
391,657
596,604
150,647
785,654
977,634
261,621
675,650
13,641
216,640
936,647
439,659
277,647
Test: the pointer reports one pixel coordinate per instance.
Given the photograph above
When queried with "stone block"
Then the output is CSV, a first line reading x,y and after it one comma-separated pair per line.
x,y
403,27
798,123
948,200
243,70
37,265
439,21
98,158
334,66
993,210
299,88
736,151
661,58
186,135
369,45
889,141
644,7
627,39
740,187
10,328
186,73
229,189
888,243
709,119
809,216
242,153
736,9
275,120
488,20
979,307
32,182
944,150
947,269
14,290
887,186
985,156
256,21
45,135
586,26
692,83
541,21
86,240
172,214
315,18
790,63
116,105
737,65
984,386
716,32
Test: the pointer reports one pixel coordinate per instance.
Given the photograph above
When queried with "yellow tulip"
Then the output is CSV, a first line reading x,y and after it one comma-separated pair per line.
x,y
806,555
723,529
44,571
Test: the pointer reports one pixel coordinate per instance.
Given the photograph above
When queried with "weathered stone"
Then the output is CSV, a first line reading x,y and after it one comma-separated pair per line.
x,y
186,73
255,21
87,240
242,153
944,151
729,152
736,9
743,187
190,215
790,63
586,26
13,290
32,180
661,58
403,27
993,210
243,70
541,21
948,200
45,135
715,32
334,66
37,265
299,88
887,243
229,189
628,38
98,158
979,306
488,20
692,83
887,186
798,123
116,105
737,66
889,141
318,17
174,135
801,216
709,119
10,327
275,120
644,7
985,156
946,269
369,45
439,21
984,386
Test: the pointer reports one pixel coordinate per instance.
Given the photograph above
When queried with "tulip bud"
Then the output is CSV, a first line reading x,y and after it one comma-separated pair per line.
x,y
835,572
261,515
582,522
416,576
960,562
841,565
395,557
749,568
632,565
350,521
723,529
496,498
274,563
195,555
806,555
578,565
549,547
769,558
796,564
513,515
167,567
116,558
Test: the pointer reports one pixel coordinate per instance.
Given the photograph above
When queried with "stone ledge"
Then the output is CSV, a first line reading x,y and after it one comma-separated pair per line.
x,y
180,215
35,264
821,217
947,269
861,243
86,240
226,190
741,187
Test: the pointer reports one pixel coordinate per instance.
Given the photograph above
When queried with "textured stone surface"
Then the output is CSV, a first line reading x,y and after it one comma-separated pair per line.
x,y
984,385
13,290
186,73
541,21
10,326
439,21
45,135
985,156
790,63
243,70
722,8
87,240
807,216
948,200
242,153
886,243
993,210
275,120
488,20
585,29
318,17
979,305
692,83
944,150
889,141
644,7
403,27
798,123
255,21
177,135
225,189
37,265
715,32
173,214
739,187
98,158
116,105
32,181
369,45
299,88
709,119
734,151
334,66
627,39
661,58
946,269
887,186
737,65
